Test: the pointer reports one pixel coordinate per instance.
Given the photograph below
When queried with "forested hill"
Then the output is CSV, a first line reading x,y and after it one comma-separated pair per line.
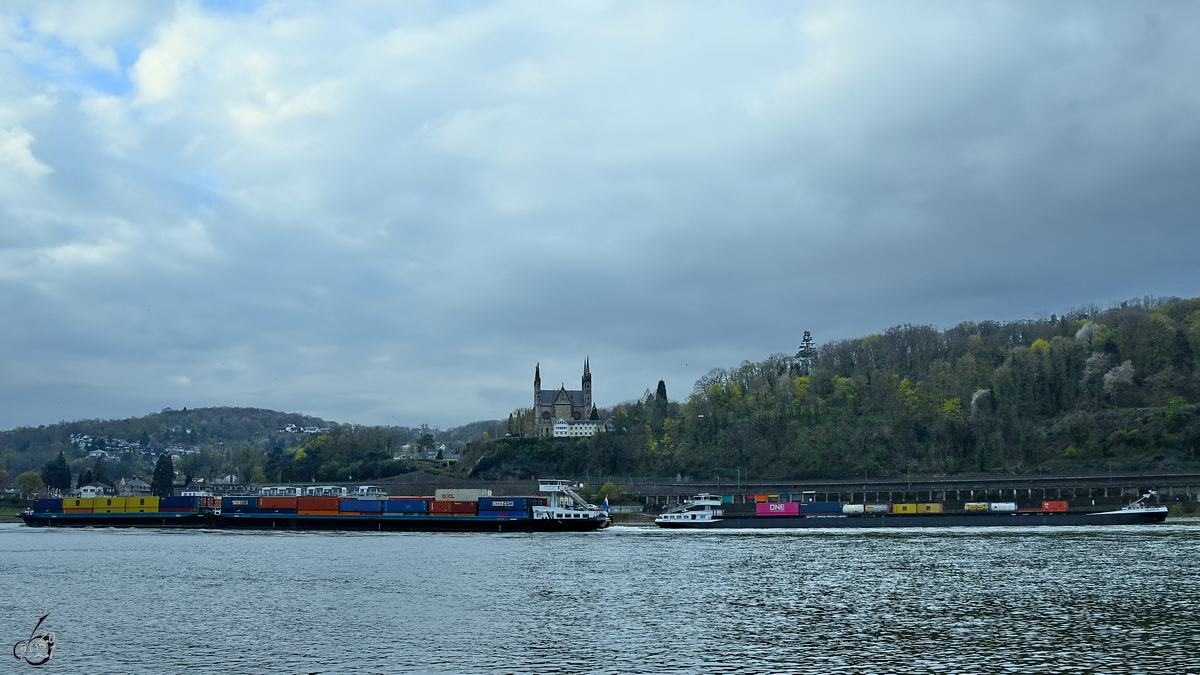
x,y
1088,391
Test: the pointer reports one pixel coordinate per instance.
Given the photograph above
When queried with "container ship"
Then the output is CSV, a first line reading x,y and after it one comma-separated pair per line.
x,y
560,510
707,511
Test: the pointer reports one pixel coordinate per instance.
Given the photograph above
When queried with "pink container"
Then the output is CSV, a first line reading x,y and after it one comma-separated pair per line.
x,y
778,509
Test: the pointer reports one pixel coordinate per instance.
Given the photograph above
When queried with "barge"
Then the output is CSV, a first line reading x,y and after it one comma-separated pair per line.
x,y
561,510
707,511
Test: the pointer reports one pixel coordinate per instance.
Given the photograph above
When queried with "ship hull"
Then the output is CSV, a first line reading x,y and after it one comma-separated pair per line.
x,y
190,519
313,522
1131,517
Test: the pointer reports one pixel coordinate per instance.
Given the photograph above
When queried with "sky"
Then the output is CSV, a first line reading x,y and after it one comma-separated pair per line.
x,y
387,213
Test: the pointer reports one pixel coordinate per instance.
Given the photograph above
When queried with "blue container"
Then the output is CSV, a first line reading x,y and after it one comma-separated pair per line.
x,y
503,503
360,505
503,514
47,506
821,507
236,504
406,506
179,502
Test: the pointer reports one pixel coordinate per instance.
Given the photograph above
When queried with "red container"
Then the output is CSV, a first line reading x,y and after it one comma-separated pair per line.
x,y
1054,506
453,508
777,509
277,502
317,503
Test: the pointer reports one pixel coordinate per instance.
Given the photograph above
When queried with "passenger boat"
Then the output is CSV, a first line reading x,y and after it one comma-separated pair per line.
x,y
707,511
561,510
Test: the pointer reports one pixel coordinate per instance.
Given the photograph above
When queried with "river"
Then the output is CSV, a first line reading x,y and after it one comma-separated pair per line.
x,y
625,600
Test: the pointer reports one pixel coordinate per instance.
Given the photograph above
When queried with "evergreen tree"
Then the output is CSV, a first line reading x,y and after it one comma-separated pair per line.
x,y
162,484
56,474
85,477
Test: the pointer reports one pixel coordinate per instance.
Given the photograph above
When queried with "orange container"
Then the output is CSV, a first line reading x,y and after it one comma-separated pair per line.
x,y
317,503
310,512
1054,506
453,508
277,502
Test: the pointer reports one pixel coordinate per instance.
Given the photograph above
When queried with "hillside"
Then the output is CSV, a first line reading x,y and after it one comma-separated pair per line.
x,y
1088,391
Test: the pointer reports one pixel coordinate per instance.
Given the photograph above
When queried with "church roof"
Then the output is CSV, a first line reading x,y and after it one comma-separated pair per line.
x,y
547,396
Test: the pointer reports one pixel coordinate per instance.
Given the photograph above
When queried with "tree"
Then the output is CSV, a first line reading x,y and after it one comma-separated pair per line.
x,y
28,483
56,474
163,482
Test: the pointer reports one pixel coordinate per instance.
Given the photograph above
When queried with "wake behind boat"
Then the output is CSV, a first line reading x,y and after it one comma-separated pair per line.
x,y
708,511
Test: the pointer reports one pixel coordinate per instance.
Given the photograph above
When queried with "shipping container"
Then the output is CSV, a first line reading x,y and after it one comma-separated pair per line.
x,y
929,508
452,508
1055,506
109,503
239,503
77,510
142,503
1002,507
177,509
877,508
975,506
904,508
503,503
271,503
853,508
78,503
317,504
778,509
760,498
48,506
108,509
177,502
821,507
461,494
504,514
314,512
406,506
361,505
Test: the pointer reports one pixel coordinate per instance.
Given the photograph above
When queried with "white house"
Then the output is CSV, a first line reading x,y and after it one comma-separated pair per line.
x,y
577,428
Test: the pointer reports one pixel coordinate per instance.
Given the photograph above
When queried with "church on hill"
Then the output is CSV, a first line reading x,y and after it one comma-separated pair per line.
x,y
562,411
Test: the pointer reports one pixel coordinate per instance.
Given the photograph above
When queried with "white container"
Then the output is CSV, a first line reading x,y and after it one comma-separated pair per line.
x,y
460,494
1002,507
853,508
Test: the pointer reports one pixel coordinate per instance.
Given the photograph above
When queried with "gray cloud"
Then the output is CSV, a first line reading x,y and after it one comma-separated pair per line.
x,y
388,215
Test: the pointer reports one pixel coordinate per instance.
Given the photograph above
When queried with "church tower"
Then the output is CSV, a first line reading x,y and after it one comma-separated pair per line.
x,y
587,387
537,385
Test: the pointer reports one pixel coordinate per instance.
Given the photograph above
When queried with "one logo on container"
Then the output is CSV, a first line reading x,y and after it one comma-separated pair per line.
x,y
38,648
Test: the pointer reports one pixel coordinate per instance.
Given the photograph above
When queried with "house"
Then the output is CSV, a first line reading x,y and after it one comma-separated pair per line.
x,y
95,489
578,428
370,491
134,487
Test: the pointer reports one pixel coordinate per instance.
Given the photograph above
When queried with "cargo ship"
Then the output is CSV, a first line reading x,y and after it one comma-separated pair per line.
x,y
561,510
707,511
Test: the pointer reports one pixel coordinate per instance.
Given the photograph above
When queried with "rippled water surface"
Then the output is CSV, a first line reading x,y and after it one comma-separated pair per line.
x,y
625,600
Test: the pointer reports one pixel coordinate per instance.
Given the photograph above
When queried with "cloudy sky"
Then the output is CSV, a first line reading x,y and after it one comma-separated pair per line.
x,y
387,213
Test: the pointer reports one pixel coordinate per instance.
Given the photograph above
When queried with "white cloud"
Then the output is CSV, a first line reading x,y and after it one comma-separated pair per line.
x,y
16,154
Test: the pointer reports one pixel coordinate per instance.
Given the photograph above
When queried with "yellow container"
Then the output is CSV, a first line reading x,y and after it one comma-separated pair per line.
x,y
109,503
108,509
975,506
929,508
904,508
78,502
132,503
